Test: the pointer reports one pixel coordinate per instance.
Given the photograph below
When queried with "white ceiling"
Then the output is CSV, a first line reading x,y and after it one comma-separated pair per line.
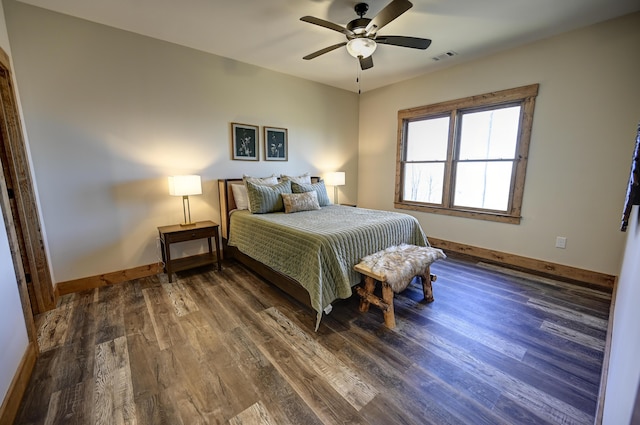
x,y
269,33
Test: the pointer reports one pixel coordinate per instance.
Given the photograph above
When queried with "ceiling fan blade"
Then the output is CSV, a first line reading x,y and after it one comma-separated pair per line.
x,y
365,63
388,14
323,51
398,40
326,24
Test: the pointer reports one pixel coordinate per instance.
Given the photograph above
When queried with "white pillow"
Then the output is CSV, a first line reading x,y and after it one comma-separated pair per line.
x,y
263,181
240,196
302,179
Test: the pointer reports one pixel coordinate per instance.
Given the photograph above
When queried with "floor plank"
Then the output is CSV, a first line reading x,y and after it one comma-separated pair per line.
x,y
498,346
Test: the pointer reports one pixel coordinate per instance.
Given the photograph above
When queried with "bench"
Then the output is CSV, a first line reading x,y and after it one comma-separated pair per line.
x,y
395,268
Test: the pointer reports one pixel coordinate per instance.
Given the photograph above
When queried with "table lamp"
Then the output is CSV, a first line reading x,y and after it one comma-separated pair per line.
x,y
335,179
185,186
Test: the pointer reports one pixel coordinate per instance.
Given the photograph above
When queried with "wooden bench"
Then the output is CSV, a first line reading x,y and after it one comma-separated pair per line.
x,y
385,303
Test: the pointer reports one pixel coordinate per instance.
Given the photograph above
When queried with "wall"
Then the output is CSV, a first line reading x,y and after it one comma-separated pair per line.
x,y
624,369
110,114
583,132
13,332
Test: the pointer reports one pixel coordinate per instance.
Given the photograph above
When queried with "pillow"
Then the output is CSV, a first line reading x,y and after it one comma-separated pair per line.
x,y
302,179
272,180
265,181
267,199
323,198
240,196
296,202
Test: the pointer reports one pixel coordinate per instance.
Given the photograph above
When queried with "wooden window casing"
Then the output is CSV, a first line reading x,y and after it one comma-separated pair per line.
x,y
524,96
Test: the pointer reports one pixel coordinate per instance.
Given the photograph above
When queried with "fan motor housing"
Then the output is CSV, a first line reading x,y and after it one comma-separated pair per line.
x,y
358,25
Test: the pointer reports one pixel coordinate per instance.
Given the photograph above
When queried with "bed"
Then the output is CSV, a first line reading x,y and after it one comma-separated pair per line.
x,y
310,254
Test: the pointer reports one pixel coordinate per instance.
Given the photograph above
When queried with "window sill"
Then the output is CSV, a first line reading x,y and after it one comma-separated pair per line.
x,y
478,215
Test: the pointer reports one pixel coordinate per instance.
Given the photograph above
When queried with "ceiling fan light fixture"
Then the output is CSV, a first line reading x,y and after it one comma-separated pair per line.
x,y
361,47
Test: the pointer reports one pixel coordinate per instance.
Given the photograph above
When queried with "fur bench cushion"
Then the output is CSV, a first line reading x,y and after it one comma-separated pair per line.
x,y
400,264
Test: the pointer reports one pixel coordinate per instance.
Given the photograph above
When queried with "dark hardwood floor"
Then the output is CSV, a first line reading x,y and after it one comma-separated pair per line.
x,y
496,347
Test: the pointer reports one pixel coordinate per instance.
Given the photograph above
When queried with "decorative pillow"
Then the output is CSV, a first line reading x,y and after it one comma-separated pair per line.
x,y
323,198
272,180
302,179
296,202
267,199
265,181
240,196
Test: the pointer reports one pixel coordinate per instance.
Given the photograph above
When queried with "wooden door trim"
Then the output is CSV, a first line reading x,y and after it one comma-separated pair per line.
x,y
23,190
11,402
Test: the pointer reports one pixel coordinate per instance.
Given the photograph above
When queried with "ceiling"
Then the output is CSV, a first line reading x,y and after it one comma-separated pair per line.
x,y
269,33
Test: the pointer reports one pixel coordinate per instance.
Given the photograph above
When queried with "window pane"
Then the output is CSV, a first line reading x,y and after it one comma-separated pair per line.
x,y
423,182
483,185
489,134
427,139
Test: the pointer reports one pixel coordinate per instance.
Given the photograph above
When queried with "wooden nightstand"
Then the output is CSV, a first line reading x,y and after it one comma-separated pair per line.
x,y
177,233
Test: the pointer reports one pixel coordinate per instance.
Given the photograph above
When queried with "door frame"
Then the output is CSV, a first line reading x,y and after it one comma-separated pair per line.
x,y
19,204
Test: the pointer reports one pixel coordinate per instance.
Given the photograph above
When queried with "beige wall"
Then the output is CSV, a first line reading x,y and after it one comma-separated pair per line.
x,y
583,132
13,332
110,114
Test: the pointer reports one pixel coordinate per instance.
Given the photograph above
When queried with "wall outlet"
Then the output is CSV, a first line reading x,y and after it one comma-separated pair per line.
x,y
561,242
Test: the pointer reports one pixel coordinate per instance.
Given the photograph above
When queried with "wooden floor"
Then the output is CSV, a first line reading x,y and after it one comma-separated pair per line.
x,y
226,348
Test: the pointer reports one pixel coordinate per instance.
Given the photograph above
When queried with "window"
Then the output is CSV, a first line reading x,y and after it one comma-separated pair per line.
x,y
466,157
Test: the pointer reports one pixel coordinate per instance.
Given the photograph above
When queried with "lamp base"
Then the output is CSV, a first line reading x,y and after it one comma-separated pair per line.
x,y
186,209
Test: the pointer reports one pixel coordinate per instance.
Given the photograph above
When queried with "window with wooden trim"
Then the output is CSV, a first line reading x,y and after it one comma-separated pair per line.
x,y
466,157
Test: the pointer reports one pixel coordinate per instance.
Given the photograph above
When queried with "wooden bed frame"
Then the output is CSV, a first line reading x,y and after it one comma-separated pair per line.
x,y
285,283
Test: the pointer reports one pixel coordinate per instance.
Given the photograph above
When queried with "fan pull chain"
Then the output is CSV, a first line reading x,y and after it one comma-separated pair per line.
x,y
358,76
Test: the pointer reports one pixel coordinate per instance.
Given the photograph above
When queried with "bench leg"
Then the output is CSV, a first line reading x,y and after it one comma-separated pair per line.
x,y
369,285
387,297
427,289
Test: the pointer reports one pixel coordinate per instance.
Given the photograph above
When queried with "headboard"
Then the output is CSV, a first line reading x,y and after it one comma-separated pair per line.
x,y
228,204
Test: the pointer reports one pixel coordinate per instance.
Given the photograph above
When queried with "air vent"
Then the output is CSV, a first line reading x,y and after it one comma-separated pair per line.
x,y
445,55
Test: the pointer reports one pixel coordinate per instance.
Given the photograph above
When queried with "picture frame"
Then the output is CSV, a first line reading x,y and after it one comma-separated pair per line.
x,y
244,142
276,144
633,187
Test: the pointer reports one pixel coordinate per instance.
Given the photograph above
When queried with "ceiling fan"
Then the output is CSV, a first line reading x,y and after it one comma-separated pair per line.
x,y
362,33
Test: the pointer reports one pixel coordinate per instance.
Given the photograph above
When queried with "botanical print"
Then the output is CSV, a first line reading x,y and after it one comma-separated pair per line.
x,y
275,140
244,141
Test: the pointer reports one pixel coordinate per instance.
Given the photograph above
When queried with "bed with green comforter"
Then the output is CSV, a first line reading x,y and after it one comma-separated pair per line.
x,y
319,248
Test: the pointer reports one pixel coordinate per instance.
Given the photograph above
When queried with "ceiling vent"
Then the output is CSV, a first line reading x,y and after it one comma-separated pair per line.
x,y
445,55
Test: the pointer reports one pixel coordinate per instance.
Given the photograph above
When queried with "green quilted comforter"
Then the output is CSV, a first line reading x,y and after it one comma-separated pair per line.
x,y
319,248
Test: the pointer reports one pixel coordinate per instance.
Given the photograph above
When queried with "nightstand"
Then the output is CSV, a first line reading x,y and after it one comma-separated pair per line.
x,y
177,233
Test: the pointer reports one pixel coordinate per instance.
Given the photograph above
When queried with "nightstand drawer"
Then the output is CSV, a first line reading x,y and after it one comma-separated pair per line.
x,y
189,235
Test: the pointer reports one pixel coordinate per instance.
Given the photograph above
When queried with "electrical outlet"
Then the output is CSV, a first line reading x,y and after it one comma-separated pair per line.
x,y
561,242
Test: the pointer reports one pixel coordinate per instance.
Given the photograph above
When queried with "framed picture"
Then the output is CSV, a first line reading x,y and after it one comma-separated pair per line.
x,y
633,188
275,144
244,142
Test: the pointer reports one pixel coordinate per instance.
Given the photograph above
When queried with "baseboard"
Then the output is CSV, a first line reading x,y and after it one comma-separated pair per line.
x,y
19,383
603,280
106,279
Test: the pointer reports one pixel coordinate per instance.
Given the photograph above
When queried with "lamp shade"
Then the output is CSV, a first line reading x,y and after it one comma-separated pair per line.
x,y
336,178
364,47
185,185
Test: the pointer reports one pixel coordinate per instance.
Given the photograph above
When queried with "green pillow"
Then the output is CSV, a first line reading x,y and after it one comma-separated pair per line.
x,y
321,190
266,199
